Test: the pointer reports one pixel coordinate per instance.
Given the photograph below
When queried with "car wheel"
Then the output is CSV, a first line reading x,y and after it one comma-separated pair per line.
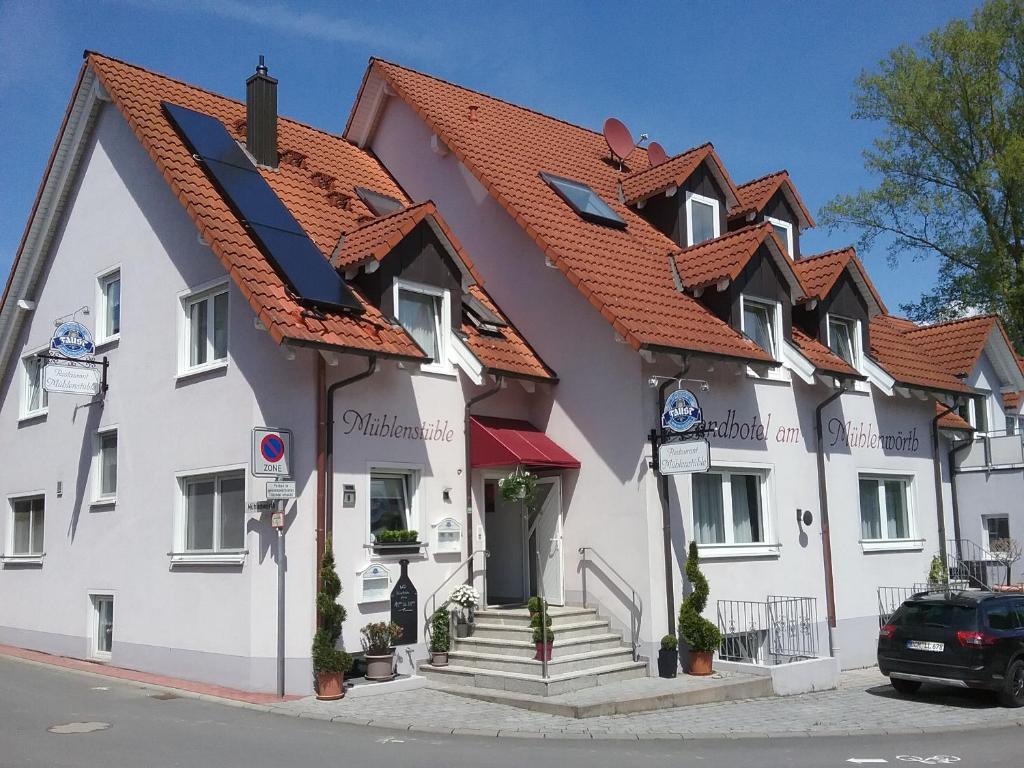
x,y
1012,694
904,686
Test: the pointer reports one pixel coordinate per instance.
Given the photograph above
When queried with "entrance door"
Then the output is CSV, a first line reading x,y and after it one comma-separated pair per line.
x,y
545,537
504,529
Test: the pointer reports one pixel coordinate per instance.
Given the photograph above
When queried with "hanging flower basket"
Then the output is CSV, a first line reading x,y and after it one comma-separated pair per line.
x,y
519,486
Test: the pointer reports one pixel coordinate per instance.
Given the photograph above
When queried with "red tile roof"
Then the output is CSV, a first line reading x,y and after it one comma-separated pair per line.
x,y
725,257
951,420
957,345
505,351
754,196
1011,401
653,180
316,180
624,273
819,273
824,359
907,361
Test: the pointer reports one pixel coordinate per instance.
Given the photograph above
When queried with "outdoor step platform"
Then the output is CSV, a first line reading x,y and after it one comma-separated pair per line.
x,y
575,662
525,647
458,678
562,631
616,696
520,617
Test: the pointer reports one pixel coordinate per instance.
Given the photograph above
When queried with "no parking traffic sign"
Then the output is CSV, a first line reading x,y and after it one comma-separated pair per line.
x,y
271,452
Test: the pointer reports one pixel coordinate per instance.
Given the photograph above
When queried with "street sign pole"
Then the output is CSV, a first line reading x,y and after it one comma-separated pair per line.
x,y
280,597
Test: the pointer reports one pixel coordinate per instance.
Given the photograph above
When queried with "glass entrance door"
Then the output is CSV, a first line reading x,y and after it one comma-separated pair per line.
x,y
103,626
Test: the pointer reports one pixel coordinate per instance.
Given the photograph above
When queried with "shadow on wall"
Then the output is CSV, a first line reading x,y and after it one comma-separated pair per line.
x,y
93,412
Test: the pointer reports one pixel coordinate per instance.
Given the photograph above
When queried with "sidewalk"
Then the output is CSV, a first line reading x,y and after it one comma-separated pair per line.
x,y
864,704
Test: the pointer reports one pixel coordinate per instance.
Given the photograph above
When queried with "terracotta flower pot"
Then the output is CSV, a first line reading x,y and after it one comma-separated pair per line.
x,y
544,650
699,663
439,658
330,686
380,667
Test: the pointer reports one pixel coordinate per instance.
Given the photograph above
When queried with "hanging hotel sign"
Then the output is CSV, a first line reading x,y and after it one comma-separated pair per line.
x,y
684,457
682,412
71,379
72,340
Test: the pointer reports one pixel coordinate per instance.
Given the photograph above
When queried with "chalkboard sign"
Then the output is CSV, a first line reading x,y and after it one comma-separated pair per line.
x,y
405,607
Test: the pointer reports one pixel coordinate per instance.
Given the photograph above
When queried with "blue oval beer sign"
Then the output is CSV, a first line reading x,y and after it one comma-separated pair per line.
x,y
72,340
682,411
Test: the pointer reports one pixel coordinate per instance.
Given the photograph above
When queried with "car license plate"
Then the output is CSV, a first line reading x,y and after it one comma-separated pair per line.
x,y
922,645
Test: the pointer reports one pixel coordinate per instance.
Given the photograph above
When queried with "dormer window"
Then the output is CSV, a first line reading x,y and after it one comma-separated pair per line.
x,y
585,201
424,312
378,203
702,220
761,322
844,339
785,232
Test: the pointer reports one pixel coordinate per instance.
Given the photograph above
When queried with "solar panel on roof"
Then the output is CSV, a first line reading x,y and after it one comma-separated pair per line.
x,y
584,201
279,236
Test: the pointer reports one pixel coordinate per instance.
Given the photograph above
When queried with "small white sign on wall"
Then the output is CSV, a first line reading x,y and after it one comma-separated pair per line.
x,y
448,536
684,458
374,584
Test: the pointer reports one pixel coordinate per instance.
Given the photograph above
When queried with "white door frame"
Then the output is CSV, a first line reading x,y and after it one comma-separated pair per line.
x,y
556,482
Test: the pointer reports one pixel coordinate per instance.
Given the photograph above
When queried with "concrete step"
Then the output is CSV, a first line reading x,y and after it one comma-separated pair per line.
x,y
585,628
559,664
524,647
467,678
520,617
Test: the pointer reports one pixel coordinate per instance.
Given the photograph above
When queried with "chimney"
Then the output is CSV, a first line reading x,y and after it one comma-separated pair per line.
x,y
261,116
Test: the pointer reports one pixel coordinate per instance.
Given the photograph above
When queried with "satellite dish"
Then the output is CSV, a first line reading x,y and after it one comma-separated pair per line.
x,y
620,142
656,154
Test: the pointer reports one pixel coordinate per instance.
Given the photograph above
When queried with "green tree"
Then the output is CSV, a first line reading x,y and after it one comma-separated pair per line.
x,y
327,657
951,163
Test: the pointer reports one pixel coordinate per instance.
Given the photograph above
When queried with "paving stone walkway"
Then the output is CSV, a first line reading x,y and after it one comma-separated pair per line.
x,y
863,704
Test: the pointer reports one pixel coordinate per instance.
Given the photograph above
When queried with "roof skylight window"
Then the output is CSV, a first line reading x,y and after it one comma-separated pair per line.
x,y
584,201
379,203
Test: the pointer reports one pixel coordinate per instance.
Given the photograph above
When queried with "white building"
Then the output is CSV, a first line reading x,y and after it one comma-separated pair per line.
x,y
132,530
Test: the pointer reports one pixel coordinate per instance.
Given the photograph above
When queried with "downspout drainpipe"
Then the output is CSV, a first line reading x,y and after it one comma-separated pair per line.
x,y
666,514
469,472
937,465
326,523
826,540
952,482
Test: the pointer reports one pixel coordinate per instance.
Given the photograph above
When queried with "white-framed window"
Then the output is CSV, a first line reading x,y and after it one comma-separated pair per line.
x,y
784,230
762,322
974,410
731,511
425,312
702,218
887,513
212,519
101,629
204,329
108,303
28,518
996,530
844,339
392,499
105,466
35,400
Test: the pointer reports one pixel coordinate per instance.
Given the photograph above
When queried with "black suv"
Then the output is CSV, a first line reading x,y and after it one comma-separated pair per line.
x,y
965,639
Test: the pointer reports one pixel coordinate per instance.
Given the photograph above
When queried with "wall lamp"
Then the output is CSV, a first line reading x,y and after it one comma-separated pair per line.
x,y
654,381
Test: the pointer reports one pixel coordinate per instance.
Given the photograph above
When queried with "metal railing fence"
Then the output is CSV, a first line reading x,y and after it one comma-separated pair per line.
x,y
779,630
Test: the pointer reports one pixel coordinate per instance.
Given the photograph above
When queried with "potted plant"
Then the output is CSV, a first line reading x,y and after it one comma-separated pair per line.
x,y
440,637
668,656
938,575
467,598
403,542
701,636
533,605
543,636
329,663
378,642
519,486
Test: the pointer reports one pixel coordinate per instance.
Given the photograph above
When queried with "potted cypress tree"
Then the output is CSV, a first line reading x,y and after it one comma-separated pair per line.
x,y
543,636
378,642
701,636
440,637
668,656
329,662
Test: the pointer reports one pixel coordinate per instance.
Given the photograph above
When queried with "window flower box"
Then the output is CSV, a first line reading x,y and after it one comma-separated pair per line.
x,y
397,543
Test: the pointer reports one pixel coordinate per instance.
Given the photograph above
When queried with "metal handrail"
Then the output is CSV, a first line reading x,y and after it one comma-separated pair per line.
x,y
636,609
432,599
964,553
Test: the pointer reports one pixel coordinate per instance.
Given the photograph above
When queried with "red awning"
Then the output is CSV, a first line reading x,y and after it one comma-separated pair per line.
x,y
498,442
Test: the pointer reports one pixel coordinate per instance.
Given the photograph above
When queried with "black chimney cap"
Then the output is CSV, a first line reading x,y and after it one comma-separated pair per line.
x,y
261,68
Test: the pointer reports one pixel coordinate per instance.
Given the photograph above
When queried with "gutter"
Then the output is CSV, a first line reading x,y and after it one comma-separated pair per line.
x,y
469,472
937,466
826,541
666,517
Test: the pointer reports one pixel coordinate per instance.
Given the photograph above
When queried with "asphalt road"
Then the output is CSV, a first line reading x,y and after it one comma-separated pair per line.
x,y
149,729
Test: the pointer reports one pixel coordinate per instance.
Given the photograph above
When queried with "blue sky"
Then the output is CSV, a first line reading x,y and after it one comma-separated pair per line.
x,y
769,83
